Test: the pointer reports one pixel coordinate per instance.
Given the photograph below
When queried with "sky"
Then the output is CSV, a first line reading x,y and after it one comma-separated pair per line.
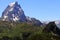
x,y
43,10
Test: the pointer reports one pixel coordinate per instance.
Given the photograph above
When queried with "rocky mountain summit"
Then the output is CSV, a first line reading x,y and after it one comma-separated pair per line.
x,y
15,13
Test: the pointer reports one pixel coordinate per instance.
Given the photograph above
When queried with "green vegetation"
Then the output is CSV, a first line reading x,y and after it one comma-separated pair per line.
x,y
25,31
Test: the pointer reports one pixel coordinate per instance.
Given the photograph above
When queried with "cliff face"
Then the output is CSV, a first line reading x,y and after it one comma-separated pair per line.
x,y
15,13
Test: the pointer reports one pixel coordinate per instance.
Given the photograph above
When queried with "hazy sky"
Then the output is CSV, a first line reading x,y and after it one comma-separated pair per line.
x,y
43,10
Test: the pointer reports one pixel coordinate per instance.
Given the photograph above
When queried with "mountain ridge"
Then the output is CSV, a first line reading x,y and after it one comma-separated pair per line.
x,y
15,13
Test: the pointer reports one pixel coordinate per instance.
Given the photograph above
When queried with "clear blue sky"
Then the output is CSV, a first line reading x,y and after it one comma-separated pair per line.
x,y
44,10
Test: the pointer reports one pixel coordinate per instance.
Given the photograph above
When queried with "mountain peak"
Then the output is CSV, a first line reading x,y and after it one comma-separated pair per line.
x,y
15,13
13,3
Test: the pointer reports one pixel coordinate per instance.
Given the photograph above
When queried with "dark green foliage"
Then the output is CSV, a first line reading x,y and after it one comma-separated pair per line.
x,y
25,35
16,38
27,31
5,38
37,36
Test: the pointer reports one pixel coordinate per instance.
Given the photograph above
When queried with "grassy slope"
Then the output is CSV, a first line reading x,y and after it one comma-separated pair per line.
x,y
17,29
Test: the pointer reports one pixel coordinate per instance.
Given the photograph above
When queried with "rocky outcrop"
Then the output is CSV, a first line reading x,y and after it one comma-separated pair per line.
x,y
52,27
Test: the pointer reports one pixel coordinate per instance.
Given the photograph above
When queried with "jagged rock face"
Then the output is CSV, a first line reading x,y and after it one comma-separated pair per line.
x,y
52,27
33,21
13,13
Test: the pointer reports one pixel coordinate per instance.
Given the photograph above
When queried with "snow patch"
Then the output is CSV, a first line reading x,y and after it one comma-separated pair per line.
x,y
20,9
11,4
13,15
28,18
15,19
57,22
3,19
11,9
5,16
